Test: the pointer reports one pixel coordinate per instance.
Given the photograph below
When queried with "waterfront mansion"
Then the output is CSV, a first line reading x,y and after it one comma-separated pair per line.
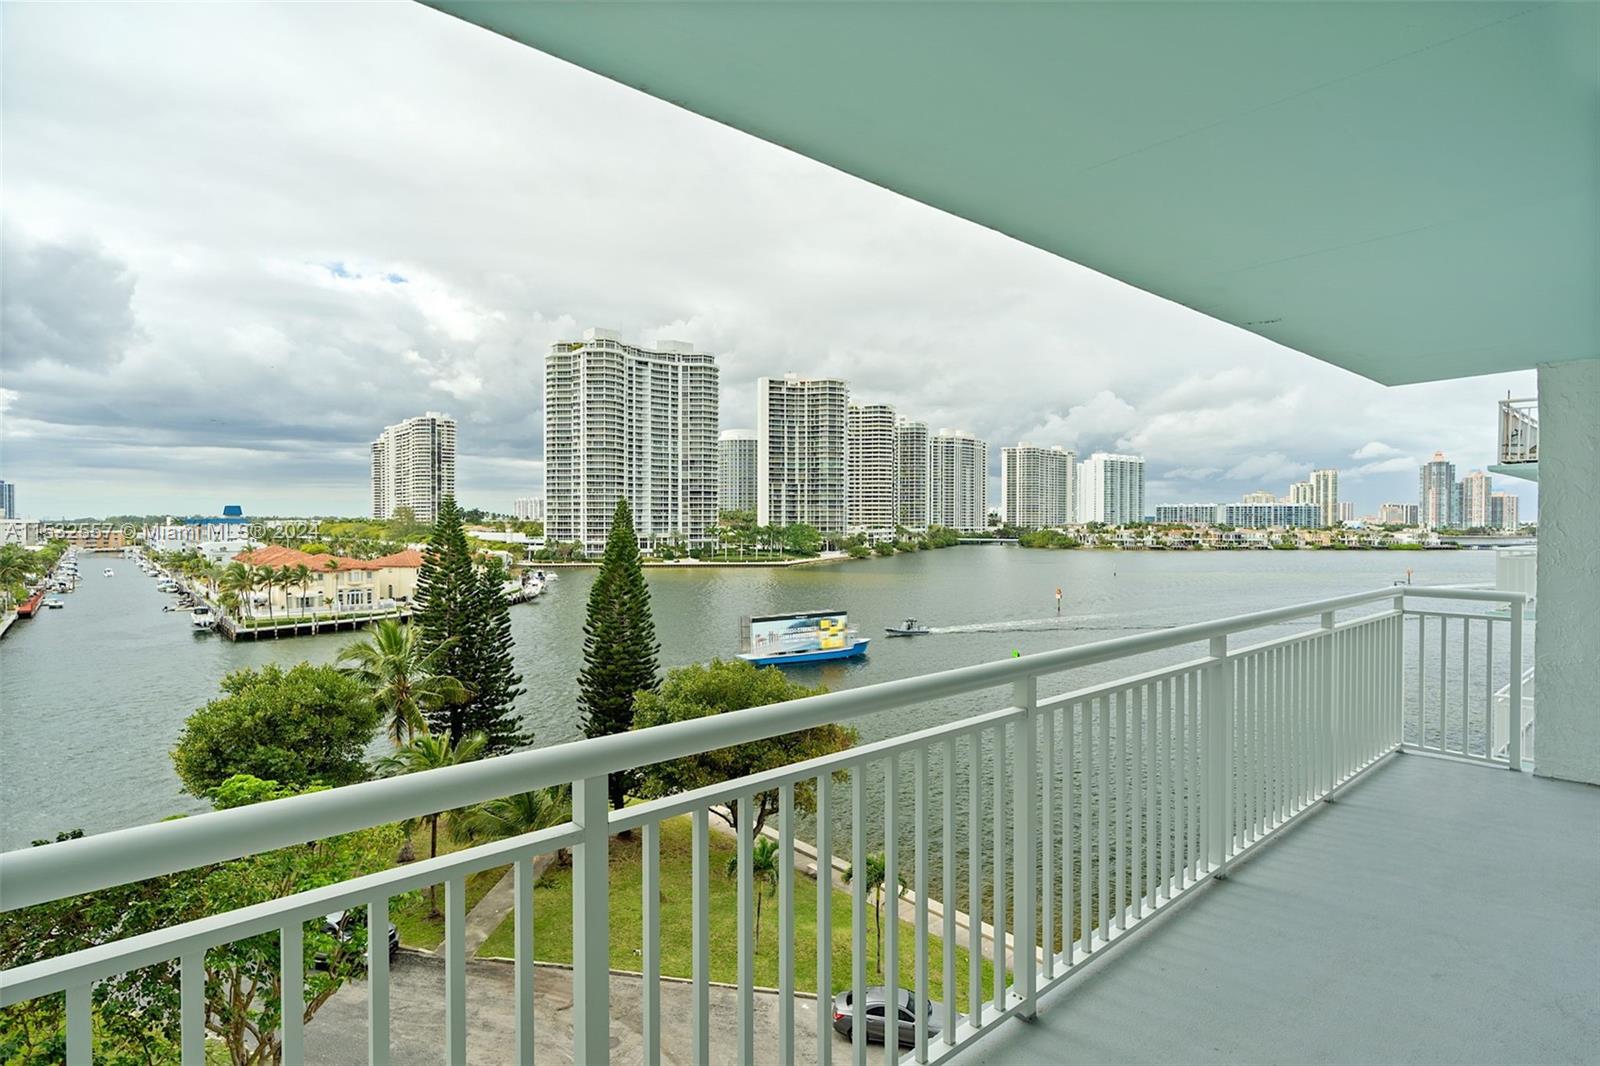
x,y
334,582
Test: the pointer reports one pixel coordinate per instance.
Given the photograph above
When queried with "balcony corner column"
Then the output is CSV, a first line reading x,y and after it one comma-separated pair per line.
x,y
1025,797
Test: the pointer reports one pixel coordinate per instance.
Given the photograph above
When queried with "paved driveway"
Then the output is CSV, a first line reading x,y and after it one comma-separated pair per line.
x,y
338,1034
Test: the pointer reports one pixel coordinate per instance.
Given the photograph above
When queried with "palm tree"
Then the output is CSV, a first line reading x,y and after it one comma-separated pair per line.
x,y
332,567
428,752
876,875
513,816
239,581
302,581
764,870
284,578
402,677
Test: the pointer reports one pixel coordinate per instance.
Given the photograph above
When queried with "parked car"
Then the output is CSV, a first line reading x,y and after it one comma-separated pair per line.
x,y
342,926
877,1000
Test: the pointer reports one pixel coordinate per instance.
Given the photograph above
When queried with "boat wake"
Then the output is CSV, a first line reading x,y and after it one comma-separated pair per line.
x,y
1043,625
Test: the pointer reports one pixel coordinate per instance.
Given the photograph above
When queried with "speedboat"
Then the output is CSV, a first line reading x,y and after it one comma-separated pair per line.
x,y
110,572
202,618
54,604
909,628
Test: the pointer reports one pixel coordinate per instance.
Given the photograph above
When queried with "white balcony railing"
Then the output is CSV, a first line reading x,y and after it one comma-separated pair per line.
x,y
1519,431
1072,820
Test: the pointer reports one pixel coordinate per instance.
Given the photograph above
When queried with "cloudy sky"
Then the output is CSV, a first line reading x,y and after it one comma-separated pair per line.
x,y
239,240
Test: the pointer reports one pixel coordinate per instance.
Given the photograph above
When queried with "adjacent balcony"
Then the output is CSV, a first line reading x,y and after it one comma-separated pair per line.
x,y
1519,439
1299,834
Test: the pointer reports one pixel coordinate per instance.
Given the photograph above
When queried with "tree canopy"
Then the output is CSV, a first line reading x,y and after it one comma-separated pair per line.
x,y
704,689
619,641
305,726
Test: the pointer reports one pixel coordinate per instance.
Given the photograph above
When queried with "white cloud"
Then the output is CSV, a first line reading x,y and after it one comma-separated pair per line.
x,y
1374,450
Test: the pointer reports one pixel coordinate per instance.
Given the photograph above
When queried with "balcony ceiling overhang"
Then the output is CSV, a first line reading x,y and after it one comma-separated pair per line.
x,y
1409,191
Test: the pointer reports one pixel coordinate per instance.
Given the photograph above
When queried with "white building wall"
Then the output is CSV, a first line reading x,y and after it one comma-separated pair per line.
x,y
1475,490
958,481
736,470
801,452
1038,486
1111,489
871,470
1567,653
911,480
623,420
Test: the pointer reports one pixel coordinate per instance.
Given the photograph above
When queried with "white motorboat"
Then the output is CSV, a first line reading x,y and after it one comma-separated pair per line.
x,y
202,618
54,604
110,572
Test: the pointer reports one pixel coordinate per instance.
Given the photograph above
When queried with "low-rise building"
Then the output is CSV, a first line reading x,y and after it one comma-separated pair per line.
x,y
334,582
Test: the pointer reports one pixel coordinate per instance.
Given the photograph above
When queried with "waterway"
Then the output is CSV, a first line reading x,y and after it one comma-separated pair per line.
x,y
93,697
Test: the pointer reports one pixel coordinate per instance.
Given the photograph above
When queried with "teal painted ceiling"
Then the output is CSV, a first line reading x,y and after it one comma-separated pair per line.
x,y
1410,191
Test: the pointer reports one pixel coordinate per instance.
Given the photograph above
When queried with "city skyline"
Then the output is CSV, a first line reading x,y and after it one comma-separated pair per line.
x,y
251,345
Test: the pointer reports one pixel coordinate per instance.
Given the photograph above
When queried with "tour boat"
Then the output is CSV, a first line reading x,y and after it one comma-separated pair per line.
x,y
807,637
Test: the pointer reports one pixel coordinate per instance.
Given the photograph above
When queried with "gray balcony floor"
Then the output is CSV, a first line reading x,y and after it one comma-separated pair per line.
x,y
1437,912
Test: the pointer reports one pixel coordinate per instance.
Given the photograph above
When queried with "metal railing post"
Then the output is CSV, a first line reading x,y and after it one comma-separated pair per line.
x,y
591,926
1218,795
1025,845
1514,737
1325,702
1398,693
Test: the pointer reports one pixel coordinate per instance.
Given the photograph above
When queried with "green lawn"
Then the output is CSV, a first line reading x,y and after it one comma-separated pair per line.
x,y
410,913
552,931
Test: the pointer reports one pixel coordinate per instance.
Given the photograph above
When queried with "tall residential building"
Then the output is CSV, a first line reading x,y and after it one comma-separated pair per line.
x,y
1398,514
958,481
1111,489
1037,486
800,452
1347,511
528,508
1259,496
871,470
8,499
1300,492
736,470
911,475
414,465
1325,494
621,421
1438,495
1475,490
1195,514
1503,512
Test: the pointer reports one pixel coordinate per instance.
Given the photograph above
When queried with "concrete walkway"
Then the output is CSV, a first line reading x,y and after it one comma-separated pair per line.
x,y
338,1034
494,906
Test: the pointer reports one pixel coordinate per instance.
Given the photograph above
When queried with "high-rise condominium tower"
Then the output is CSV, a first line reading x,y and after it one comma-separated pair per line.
x,y
1037,486
1111,489
736,470
1398,514
958,481
414,465
870,470
911,477
625,421
1475,490
1438,495
528,508
1325,494
1503,512
8,499
1301,492
1261,496
800,452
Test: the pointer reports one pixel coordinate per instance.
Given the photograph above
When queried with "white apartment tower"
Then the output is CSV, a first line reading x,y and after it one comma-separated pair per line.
x,y
414,465
1037,486
800,452
1438,494
1111,489
1300,492
911,476
736,470
625,421
871,470
1325,494
528,508
1503,512
1476,488
958,481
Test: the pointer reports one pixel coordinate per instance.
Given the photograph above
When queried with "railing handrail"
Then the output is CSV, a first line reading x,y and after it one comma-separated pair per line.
x,y
67,868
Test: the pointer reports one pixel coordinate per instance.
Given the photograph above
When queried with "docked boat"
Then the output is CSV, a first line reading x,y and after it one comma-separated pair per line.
x,y
202,618
54,604
909,628
793,639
